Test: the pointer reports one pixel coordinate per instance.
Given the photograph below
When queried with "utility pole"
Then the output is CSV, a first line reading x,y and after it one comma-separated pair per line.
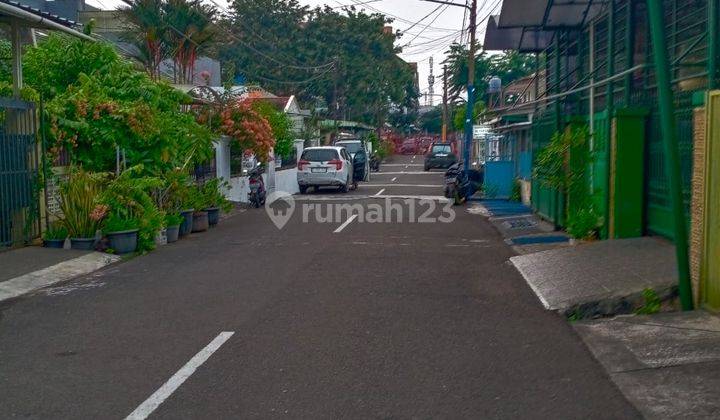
x,y
470,89
666,107
445,105
471,79
431,83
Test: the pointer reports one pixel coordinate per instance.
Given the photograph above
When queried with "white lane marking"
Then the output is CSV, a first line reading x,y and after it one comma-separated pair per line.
x,y
172,384
438,198
393,180
380,192
402,164
408,173
406,185
347,222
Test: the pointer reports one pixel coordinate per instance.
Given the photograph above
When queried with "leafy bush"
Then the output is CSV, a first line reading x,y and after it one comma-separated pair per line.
x,y
281,126
212,194
248,128
98,102
55,231
173,219
516,192
80,205
114,223
582,223
652,303
128,198
563,165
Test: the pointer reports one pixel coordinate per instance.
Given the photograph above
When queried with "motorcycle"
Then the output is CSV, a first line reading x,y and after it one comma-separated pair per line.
x,y
257,187
375,163
457,185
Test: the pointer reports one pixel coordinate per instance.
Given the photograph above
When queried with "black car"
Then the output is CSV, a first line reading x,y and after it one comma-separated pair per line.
x,y
440,156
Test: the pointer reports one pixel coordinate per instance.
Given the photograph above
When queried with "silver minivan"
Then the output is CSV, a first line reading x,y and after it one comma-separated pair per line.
x,y
325,166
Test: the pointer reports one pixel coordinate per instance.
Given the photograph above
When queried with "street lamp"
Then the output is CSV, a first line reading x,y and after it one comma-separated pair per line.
x,y
471,79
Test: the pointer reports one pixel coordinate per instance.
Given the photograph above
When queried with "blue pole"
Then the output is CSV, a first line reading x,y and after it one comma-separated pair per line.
x,y
468,127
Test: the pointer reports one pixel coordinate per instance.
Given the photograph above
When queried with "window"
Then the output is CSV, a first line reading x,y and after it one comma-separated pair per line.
x,y
319,155
441,148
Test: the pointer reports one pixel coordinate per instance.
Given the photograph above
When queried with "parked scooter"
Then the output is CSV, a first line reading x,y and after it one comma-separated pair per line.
x,y
257,186
375,163
457,185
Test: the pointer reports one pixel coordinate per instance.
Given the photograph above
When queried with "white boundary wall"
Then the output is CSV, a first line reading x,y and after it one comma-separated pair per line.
x,y
285,180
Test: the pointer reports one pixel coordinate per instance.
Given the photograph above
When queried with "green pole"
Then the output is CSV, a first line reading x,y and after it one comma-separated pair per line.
x,y
670,142
610,111
712,31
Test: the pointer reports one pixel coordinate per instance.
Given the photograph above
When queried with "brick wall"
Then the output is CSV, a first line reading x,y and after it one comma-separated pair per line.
x,y
698,199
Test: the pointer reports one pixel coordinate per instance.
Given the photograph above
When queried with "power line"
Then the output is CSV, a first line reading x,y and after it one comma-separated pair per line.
x,y
433,21
358,3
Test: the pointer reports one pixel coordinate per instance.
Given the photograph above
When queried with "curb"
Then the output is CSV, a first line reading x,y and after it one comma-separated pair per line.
x,y
63,271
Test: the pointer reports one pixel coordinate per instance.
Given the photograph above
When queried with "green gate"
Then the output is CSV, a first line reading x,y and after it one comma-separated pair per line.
x,y
19,209
658,211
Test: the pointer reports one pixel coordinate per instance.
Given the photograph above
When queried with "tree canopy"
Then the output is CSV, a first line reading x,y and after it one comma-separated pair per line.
x,y
344,60
509,66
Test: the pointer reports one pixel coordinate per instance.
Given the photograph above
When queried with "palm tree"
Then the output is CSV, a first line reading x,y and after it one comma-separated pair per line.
x,y
147,32
190,31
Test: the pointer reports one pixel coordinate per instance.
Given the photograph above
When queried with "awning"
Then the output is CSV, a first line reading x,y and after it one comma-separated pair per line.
x,y
520,39
548,14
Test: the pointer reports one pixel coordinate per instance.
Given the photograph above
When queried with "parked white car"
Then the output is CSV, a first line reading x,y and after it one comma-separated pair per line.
x,y
325,166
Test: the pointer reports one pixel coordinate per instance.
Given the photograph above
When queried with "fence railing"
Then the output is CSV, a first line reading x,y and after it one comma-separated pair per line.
x,y
19,173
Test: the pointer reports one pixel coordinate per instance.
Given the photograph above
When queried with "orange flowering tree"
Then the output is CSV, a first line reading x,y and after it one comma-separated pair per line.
x,y
248,128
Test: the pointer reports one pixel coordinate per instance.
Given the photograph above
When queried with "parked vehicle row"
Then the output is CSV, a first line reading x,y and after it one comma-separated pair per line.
x,y
342,165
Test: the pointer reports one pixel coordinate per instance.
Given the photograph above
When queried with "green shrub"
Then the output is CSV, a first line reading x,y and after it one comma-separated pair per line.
x,y
79,201
114,223
582,223
173,219
516,192
56,231
128,198
652,303
212,194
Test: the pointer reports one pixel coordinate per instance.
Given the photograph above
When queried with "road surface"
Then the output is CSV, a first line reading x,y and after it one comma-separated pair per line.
x,y
344,319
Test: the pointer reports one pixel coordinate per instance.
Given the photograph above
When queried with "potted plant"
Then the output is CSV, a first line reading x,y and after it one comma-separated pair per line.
x,y
55,235
187,221
130,205
82,214
172,226
121,233
215,200
198,201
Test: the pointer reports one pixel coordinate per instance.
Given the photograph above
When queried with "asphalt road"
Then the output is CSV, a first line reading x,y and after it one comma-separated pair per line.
x,y
321,320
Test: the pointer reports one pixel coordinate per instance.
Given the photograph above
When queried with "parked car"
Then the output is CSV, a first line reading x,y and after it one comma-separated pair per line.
x,y
359,154
325,166
440,156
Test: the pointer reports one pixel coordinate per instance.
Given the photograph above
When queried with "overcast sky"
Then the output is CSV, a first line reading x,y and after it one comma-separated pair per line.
x,y
428,38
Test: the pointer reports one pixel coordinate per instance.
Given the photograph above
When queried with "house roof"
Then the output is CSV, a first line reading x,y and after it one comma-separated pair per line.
x,y
32,17
41,13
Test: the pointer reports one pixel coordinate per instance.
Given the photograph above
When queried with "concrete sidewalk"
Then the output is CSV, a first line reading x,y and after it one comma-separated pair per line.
x,y
600,278
31,268
667,365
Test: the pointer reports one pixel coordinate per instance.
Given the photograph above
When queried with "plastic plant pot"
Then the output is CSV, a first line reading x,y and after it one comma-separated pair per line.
x,y
213,216
123,242
200,221
173,232
54,243
186,225
82,244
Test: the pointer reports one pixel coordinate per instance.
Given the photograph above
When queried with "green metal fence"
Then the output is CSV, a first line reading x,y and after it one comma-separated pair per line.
x,y
19,204
620,41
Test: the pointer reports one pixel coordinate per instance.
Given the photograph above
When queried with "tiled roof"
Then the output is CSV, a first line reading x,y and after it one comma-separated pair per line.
x,y
45,15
